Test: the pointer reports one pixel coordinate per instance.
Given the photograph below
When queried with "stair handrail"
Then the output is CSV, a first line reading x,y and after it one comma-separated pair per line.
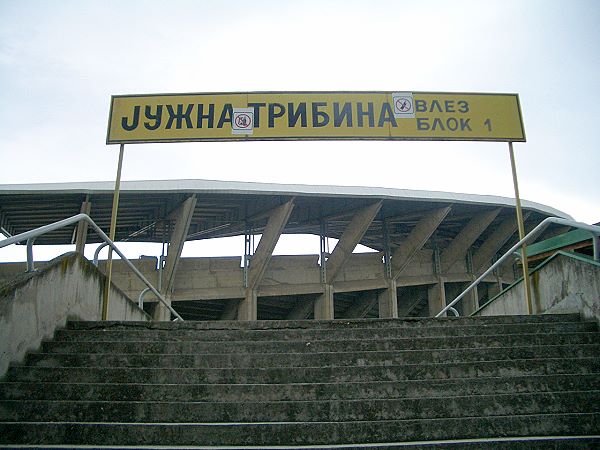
x,y
593,229
31,235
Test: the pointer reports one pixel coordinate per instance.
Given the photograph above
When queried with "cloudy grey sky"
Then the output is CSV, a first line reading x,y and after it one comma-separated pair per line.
x,y
61,60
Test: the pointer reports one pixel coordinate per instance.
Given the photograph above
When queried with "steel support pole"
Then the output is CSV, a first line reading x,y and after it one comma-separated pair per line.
x,y
324,250
387,251
113,226
521,225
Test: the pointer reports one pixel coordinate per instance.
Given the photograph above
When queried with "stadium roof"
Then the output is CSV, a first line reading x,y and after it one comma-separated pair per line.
x,y
226,208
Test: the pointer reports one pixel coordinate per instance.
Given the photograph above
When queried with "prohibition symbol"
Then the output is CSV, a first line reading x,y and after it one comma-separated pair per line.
x,y
243,121
403,104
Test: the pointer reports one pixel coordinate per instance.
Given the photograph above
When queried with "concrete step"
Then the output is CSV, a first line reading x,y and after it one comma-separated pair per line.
x,y
297,391
500,382
185,332
499,443
295,433
300,411
307,346
326,324
278,375
324,359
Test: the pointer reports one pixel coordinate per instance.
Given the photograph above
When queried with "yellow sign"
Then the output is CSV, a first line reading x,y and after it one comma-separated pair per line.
x,y
315,115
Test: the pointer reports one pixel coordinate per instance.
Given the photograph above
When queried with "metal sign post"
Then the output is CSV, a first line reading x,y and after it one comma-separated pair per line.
x,y
113,226
521,230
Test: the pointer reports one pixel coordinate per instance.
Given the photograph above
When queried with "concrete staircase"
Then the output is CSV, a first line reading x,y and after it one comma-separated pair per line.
x,y
482,382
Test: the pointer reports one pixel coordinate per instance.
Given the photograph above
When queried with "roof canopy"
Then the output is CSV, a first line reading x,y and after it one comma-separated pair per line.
x,y
235,208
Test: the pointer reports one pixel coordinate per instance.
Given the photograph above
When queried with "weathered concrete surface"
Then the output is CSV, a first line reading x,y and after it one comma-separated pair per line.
x,y
11,270
222,277
341,383
564,284
34,305
125,279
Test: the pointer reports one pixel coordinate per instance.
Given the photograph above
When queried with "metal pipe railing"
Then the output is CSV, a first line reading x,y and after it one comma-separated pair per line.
x,y
141,298
593,229
32,234
30,265
97,252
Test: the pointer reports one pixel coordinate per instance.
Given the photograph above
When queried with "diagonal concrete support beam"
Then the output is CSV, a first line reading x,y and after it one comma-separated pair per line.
x,y
482,258
302,310
277,222
408,305
182,217
248,307
466,237
361,307
350,238
356,229
417,238
231,310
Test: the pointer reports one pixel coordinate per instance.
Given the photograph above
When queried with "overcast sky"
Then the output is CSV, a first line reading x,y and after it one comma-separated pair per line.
x,y
60,61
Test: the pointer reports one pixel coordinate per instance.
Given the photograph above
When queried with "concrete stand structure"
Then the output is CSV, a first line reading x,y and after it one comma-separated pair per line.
x,y
224,378
425,245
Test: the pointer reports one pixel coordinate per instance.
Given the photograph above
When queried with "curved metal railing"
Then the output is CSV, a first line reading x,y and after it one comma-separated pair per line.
x,y
593,229
30,236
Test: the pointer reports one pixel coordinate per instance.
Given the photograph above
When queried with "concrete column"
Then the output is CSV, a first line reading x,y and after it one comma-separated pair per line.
x,y
82,227
436,296
388,301
161,312
470,302
324,304
247,309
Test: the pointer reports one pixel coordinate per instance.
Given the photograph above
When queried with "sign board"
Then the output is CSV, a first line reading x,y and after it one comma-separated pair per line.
x,y
315,115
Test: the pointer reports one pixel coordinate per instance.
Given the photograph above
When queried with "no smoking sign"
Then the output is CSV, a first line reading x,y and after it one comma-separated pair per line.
x,y
403,104
243,121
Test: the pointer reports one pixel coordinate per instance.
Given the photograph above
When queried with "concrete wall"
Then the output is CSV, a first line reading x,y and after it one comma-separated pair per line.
x,y
566,283
301,269
13,270
222,277
33,306
212,278
127,281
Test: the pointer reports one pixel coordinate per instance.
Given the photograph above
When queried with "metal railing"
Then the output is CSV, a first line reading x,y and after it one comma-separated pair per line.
x,y
30,237
593,229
